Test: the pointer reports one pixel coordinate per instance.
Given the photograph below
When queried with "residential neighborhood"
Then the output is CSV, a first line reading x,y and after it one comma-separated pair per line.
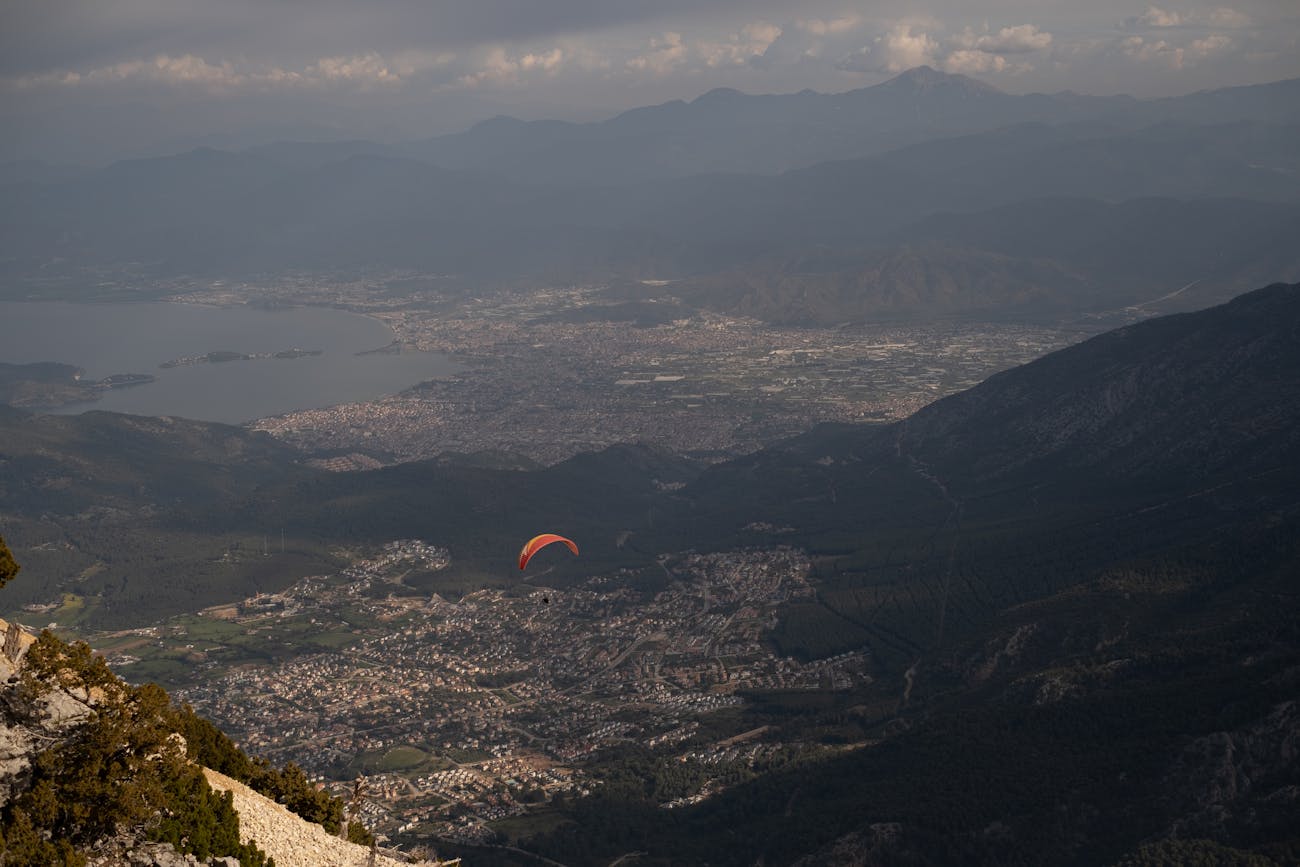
x,y
457,714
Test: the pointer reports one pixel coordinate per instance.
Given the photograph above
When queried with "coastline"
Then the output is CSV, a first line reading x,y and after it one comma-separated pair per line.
x,y
338,357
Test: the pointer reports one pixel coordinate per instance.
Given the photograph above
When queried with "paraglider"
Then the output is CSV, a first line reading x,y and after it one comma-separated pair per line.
x,y
537,543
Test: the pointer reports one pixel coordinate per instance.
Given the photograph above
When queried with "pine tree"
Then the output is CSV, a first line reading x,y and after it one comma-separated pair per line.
x,y
8,566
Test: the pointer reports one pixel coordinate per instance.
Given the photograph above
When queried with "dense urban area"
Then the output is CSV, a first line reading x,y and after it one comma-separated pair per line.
x,y
460,715
545,375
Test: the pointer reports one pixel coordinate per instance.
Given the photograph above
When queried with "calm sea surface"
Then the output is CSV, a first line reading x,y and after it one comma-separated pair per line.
x,y
107,339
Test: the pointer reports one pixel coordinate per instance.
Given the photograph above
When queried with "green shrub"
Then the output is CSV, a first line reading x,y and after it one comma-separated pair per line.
x,y
8,566
122,768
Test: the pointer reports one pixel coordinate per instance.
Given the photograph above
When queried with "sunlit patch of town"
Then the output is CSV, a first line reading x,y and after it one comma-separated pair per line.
x,y
460,714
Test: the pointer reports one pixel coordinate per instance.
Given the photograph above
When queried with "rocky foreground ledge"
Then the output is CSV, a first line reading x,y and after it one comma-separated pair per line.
x,y
33,721
288,839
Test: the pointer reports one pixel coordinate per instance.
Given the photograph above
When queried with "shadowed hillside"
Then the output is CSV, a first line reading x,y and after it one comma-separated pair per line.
x,y
1176,429
1077,582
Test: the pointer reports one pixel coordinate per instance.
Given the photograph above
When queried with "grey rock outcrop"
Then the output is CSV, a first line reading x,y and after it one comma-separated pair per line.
x,y
26,725
129,852
290,840
876,845
31,723
1238,778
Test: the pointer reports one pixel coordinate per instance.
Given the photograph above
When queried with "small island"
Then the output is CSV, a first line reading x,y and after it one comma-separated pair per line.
x,y
297,353
49,385
123,380
221,356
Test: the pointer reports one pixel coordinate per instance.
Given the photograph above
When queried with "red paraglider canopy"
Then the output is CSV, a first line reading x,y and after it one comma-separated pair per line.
x,y
537,543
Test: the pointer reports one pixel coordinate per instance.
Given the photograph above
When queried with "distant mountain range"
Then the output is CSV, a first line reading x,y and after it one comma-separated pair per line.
x,y
725,130
1035,258
748,198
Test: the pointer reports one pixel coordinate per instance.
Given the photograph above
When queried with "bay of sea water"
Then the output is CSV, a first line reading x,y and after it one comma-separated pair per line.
x,y
106,339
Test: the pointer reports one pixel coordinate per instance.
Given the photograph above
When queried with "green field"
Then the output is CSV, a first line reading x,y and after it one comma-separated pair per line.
x,y
164,671
112,644
517,828
402,758
210,629
71,613
333,639
405,760
265,638
461,578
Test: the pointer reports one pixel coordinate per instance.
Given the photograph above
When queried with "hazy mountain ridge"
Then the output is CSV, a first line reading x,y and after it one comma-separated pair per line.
x,y
369,209
341,206
108,506
114,506
1205,393
725,130
101,457
1177,399
1036,258
897,282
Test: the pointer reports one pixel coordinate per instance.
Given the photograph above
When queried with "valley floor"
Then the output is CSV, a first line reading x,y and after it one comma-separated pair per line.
x,y
469,713
546,377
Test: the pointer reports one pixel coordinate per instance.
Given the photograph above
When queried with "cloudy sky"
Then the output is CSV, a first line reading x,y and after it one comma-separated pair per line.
x,y
86,80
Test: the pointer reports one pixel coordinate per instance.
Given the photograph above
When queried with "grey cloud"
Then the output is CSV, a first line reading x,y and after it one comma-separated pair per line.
x,y
75,72
1213,16
1019,39
40,35
1154,17
810,42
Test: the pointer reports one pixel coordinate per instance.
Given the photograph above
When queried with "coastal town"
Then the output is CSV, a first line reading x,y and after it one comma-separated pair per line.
x,y
460,715
472,716
545,374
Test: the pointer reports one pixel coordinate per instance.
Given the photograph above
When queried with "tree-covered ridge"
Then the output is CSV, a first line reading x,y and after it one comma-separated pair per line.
x,y
1193,853
211,748
1147,717
8,567
1076,583
123,760
122,768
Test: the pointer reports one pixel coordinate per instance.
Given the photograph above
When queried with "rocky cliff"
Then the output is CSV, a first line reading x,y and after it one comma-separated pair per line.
x,y
287,838
96,772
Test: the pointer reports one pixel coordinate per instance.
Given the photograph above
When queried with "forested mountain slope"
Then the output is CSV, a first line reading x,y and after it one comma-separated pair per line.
x,y
1077,583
